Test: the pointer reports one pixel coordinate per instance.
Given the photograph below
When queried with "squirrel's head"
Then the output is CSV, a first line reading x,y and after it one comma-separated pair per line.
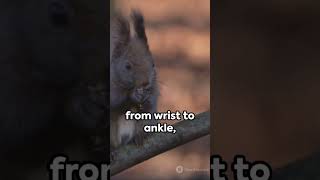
x,y
132,65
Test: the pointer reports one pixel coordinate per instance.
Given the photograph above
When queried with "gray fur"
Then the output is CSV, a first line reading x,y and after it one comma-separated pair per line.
x,y
133,82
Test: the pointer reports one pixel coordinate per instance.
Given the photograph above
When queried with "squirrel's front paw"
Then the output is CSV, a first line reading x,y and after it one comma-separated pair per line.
x,y
139,95
139,139
113,156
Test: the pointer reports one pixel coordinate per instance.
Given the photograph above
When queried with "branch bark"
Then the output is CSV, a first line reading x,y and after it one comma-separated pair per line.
x,y
155,144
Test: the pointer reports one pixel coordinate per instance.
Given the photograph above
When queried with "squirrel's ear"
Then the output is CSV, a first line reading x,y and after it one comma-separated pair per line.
x,y
138,25
120,33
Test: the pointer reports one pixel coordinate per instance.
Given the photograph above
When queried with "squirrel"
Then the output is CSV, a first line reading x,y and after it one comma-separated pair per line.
x,y
133,79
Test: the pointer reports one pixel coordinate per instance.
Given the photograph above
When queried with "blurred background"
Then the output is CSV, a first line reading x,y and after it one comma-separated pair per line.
x,y
267,74
179,38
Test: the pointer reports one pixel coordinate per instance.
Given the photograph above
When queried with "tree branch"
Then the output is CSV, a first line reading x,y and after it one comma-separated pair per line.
x,y
186,131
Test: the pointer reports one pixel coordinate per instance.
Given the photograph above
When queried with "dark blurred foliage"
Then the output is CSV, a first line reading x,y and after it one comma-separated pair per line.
x,y
267,74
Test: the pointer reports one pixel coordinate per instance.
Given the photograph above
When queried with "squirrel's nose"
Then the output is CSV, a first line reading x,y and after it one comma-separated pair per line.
x,y
145,83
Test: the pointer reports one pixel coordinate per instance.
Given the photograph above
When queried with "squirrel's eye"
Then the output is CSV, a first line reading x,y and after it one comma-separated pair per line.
x,y
153,65
59,14
128,66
